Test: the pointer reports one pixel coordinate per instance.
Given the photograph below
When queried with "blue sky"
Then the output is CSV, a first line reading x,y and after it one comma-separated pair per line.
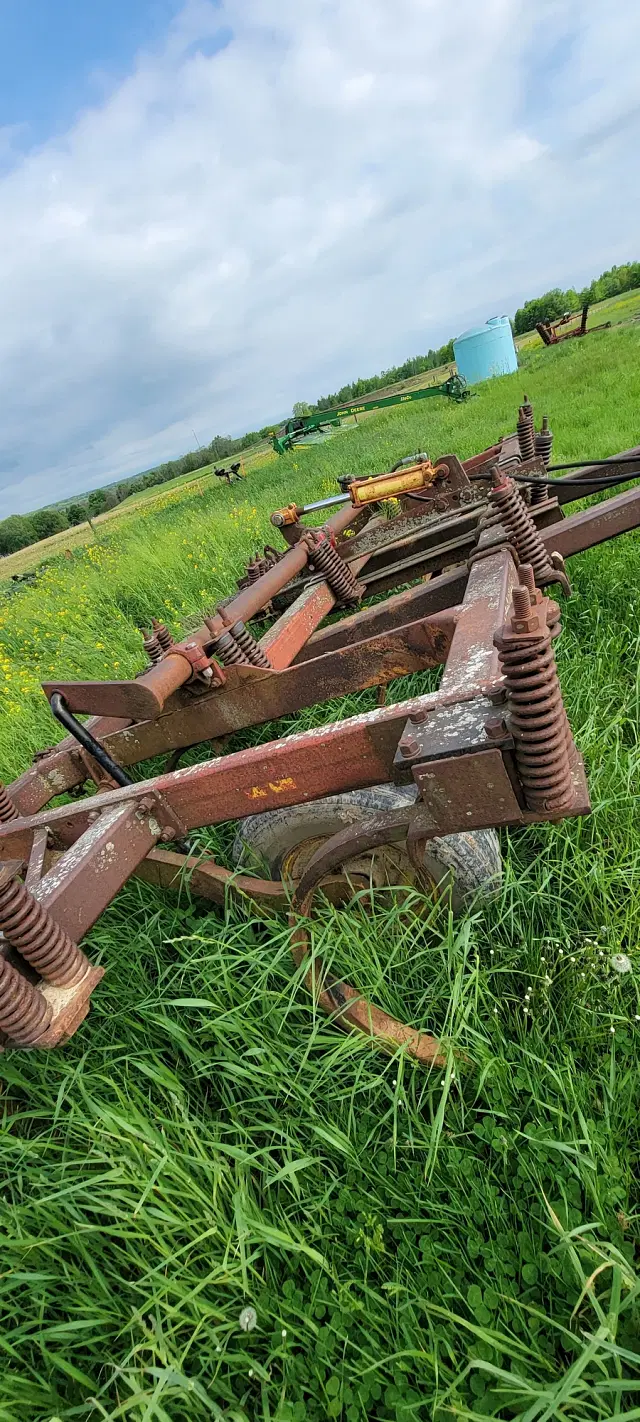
x,y
58,56
208,211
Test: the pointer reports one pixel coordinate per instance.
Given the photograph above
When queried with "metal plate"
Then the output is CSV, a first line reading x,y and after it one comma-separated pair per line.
x,y
464,794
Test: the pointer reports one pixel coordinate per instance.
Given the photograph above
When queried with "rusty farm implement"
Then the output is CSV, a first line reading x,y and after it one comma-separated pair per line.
x,y
407,793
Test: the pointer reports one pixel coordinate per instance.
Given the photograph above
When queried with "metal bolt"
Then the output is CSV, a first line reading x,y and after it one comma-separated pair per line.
x,y
408,746
495,727
167,834
417,717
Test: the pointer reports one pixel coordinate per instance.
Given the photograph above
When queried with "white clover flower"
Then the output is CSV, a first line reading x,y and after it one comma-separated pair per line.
x,y
248,1319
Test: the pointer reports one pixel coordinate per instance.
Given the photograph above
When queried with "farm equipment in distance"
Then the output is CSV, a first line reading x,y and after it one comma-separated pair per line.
x,y
551,333
403,794
232,474
298,427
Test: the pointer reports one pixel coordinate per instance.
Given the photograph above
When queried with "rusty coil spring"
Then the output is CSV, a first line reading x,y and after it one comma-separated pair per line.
x,y
536,716
515,519
28,927
247,644
162,633
544,442
538,490
152,647
526,438
7,808
24,1013
335,572
227,649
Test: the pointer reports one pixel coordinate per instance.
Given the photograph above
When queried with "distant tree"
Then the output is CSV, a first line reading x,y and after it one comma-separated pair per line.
x,y
110,499
46,522
16,532
300,409
96,501
76,513
123,492
542,308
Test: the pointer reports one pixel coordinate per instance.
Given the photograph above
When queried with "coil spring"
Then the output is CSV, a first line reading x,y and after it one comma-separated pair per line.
x,y
536,715
152,647
515,519
229,652
526,439
249,646
7,808
28,927
337,573
544,442
24,1013
538,490
162,633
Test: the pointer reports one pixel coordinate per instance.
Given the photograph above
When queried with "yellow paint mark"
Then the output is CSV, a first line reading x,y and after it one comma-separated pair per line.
x,y
277,787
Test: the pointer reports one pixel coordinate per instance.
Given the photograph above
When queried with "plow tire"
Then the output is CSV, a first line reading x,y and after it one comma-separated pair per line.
x,y
469,864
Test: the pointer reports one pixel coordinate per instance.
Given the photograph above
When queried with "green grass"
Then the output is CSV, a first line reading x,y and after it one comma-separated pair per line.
x,y
416,1245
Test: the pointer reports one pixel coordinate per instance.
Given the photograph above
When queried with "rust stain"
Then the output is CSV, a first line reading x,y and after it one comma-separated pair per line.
x,y
260,792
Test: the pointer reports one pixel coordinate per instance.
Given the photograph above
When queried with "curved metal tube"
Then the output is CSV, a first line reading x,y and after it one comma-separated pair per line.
x,y
86,740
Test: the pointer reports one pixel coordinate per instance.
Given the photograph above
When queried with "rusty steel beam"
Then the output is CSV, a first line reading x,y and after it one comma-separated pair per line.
x,y
83,881
473,659
245,604
346,755
427,600
252,695
293,628
166,869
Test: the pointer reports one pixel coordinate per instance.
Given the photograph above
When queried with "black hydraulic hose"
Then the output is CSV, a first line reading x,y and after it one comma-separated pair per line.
x,y
89,743
586,463
86,740
598,481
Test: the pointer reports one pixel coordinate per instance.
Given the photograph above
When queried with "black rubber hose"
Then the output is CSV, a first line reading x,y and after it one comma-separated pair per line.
x,y
597,482
86,740
89,743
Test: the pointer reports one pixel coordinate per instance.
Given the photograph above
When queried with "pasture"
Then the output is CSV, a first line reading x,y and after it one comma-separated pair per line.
x,y
416,1246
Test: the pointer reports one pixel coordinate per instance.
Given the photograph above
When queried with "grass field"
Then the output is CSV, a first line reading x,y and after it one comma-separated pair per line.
x,y
416,1246
619,310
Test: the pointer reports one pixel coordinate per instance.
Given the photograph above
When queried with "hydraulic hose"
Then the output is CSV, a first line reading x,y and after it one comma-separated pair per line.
x,y
86,740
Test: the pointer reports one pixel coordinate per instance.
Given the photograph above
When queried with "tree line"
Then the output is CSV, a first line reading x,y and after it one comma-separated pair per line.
x,y
554,303
22,529
415,365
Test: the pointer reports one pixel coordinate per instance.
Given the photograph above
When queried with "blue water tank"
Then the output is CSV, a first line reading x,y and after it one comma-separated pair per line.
x,y
486,351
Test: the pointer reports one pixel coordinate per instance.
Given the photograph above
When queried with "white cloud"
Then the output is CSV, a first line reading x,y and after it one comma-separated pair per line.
x,y
344,183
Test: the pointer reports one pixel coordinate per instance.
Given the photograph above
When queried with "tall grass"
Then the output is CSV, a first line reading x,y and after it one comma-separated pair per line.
x,y
415,1245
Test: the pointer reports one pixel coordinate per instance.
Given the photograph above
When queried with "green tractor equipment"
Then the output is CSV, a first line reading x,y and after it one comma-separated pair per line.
x,y
295,430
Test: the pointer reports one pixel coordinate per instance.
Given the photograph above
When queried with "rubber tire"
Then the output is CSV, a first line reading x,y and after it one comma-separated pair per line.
x,y
470,863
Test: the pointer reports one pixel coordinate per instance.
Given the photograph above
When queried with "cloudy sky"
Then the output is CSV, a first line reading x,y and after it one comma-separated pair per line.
x,y
210,210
